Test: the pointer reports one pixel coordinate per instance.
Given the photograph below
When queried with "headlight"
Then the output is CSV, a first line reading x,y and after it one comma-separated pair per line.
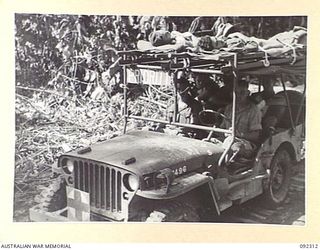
x,y
131,182
67,166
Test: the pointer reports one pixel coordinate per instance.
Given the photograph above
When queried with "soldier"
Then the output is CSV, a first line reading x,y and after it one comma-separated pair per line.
x,y
247,123
200,93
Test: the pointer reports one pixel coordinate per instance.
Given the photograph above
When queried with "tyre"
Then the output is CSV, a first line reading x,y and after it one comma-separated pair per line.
x,y
279,180
52,197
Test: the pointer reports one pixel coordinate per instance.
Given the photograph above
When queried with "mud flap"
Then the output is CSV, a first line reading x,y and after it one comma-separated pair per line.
x,y
215,195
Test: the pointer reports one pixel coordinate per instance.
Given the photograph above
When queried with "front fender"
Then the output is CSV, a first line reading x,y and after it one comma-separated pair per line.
x,y
180,186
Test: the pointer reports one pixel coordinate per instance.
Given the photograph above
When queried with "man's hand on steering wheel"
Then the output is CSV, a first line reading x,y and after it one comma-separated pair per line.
x,y
209,111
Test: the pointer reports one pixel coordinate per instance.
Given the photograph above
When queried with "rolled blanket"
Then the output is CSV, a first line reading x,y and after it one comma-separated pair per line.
x,y
293,37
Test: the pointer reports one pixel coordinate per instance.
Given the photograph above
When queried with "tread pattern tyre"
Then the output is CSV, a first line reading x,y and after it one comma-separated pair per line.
x,y
279,181
52,197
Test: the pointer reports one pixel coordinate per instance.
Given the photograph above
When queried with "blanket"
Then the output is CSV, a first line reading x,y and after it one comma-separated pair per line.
x,y
280,44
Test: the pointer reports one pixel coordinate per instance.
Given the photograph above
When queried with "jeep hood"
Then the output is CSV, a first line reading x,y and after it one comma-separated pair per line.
x,y
153,151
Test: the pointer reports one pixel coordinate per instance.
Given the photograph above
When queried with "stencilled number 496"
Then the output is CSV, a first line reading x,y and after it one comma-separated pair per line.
x,y
181,170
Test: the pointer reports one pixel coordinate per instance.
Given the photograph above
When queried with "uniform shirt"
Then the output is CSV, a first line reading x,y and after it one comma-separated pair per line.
x,y
248,119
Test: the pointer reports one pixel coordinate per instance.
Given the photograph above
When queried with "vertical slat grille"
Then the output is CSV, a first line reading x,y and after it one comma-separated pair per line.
x,y
108,189
97,185
113,189
92,185
102,187
76,169
86,177
119,191
103,182
81,180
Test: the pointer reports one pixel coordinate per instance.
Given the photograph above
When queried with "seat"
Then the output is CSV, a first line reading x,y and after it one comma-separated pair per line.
x,y
277,115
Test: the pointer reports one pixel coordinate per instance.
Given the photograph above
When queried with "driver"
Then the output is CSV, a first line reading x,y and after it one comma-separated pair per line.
x,y
197,96
247,122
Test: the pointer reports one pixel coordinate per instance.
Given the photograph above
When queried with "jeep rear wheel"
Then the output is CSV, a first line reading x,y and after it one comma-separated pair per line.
x,y
174,212
279,181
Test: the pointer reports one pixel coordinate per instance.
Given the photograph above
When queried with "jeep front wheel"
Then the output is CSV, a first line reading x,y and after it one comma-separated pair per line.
x,y
279,181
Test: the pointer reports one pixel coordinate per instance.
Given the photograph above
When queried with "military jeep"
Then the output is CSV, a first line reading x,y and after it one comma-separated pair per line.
x,y
158,175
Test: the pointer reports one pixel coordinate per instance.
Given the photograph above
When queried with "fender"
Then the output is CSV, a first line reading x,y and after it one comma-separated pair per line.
x,y
293,142
183,185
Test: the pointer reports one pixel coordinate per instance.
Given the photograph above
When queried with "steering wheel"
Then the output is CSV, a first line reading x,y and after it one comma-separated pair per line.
x,y
209,111
203,120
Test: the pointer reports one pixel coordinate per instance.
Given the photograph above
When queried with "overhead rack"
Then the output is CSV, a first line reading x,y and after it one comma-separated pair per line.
x,y
216,62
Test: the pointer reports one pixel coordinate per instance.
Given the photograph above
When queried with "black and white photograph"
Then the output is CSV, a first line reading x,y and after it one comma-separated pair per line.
x,y
151,119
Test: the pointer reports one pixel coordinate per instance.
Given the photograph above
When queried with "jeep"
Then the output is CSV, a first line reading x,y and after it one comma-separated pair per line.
x,y
163,175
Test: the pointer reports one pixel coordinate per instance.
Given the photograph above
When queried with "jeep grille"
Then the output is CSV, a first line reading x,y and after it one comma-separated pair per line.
x,y
104,184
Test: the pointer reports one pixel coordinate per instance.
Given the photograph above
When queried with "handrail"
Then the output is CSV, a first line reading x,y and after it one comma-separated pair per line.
x,y
288,103
195,70
125,104
301,104
235,81
219,130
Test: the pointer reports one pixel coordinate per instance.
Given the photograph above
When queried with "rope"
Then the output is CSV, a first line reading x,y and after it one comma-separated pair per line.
x,y
186,63
266,61
294,54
